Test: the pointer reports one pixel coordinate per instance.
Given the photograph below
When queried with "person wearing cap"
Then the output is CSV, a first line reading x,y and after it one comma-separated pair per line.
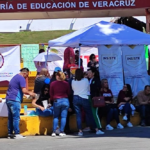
x,y
41,79
69,59
56,70
14,98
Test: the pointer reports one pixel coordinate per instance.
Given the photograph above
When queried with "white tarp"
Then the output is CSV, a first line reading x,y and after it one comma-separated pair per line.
x,y
134,65
10,57
102,33
110,67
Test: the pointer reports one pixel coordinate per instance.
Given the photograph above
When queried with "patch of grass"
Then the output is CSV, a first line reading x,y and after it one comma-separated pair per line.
x,y
35,37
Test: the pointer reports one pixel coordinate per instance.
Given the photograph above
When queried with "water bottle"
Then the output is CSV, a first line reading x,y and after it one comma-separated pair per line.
x,y
25,109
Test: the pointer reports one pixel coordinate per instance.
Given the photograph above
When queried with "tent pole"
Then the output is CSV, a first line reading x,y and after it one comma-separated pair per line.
x,y
79,55
123,68
46,57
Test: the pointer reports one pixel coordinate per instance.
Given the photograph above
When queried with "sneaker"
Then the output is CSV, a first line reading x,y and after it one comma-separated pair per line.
x,y
99,132
109,127
62,134
86,129
125,118
129,124
80,133
19,136
120,126
10,136
53,134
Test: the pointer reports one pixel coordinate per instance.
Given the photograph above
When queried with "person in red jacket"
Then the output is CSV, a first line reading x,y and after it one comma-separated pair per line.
x,y
59,93
69,59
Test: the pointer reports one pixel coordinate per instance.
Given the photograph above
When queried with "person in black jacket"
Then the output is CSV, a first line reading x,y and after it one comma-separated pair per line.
x,y
94,79
95,86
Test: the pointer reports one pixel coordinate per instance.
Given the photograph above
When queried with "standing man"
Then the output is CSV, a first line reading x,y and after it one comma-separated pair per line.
x,y
77,59
14,97
143,104
69,59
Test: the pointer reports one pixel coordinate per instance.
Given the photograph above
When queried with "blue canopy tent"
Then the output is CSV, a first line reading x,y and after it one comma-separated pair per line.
x,y
102,33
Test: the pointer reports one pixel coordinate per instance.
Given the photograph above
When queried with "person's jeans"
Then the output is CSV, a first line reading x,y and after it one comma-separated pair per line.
x,y
127,110
13,116
61,107
143,109
67,127
47,112
112,113
78,103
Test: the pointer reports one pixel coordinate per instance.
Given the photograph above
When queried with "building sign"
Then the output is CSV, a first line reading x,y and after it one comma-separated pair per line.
x,y
59,5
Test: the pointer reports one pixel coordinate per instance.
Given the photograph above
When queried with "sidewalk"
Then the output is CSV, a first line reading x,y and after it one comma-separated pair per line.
x,y
137,138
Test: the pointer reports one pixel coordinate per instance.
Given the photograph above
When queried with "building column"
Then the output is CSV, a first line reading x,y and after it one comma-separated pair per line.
x,y
148,20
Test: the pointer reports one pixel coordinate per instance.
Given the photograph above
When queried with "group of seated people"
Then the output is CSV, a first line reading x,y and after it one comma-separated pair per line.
x,y
66,96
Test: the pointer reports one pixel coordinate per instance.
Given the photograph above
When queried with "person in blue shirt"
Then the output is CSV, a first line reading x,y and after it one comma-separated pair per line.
x,y
14,98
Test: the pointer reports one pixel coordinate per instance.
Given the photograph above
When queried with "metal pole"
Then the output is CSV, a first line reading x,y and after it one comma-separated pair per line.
x,y
79,55
122,65
46,57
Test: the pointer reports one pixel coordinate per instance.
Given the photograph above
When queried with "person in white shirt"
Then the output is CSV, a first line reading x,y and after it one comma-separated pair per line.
x,y
81,88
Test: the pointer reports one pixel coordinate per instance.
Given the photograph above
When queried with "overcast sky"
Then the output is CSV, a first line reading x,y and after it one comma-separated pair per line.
x,y
52,24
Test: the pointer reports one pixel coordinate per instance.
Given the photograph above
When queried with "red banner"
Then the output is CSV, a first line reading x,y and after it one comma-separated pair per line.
x,y
61,5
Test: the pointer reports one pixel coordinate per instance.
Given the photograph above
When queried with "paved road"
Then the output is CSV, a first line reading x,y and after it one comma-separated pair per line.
x,y
137,138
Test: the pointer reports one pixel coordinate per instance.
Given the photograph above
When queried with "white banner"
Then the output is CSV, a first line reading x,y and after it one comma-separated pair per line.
x,y
135,71
9,62
110,67
85,53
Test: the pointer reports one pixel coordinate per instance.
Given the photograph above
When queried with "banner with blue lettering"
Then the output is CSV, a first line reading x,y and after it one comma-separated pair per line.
x,y
110,67
134,65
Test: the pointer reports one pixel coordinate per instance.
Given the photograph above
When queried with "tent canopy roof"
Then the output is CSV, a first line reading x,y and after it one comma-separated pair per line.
x,y
102,33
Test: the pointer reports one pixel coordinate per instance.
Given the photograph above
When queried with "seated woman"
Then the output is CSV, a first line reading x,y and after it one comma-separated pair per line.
x,y
131,105
42,101
109,109
123,101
